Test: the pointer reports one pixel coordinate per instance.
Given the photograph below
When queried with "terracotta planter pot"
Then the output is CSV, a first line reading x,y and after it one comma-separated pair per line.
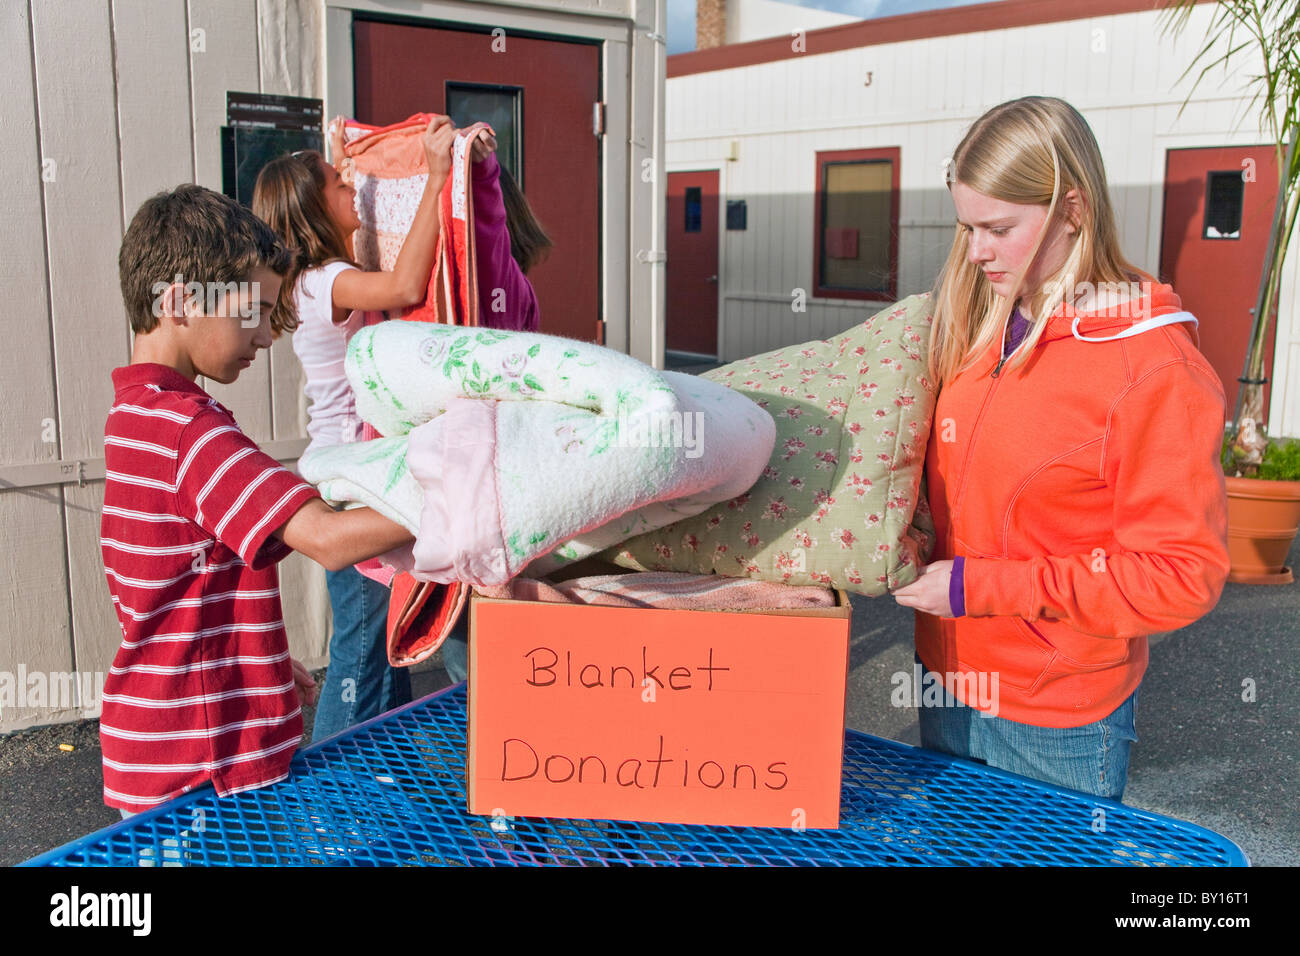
x,y
1263,517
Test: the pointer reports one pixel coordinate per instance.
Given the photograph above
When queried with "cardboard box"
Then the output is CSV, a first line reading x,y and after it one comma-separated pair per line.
x,y
651,715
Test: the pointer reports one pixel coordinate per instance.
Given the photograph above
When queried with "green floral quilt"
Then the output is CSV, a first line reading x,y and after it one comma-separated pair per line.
x,y
840,503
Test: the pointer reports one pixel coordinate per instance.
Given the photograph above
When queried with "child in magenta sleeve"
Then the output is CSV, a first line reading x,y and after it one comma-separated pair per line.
x,y
508,241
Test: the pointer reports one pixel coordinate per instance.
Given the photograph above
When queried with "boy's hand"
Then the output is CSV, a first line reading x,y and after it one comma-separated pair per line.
x,y
437,140
929,592
484,145
304,684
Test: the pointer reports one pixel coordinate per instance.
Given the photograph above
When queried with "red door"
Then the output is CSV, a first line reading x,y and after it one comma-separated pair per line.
x,y
1218,211
553,85
692,270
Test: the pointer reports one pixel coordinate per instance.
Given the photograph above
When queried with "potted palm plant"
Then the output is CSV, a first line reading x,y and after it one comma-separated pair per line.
x,y
1262,476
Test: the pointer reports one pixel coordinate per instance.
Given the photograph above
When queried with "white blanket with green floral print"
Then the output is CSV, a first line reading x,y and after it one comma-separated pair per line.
x,y
504,447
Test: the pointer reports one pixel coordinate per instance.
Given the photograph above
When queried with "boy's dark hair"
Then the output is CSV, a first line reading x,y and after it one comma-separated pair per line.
x,y
201,236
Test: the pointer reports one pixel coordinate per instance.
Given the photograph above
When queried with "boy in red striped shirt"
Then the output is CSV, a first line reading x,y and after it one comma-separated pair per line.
x,y
196,517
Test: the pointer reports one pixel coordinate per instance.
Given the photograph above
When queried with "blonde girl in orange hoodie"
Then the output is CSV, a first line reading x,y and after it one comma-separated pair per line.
x,y
1072,469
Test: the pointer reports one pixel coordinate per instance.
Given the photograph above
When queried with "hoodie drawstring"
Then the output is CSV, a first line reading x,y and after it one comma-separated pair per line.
x,y
1137,328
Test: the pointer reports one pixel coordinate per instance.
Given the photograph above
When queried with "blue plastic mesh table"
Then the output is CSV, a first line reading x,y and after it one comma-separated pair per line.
x,y
391,792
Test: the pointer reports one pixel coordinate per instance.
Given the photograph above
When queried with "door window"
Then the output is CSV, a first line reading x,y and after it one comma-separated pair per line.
x,y
502,108
1223,194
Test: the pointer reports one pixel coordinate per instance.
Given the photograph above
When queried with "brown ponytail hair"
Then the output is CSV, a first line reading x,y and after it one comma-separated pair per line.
x,y
289,196
529,243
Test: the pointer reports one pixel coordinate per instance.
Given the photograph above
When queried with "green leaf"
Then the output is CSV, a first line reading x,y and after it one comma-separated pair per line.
x,y
396,472
604,437
474,371
532,383
534,349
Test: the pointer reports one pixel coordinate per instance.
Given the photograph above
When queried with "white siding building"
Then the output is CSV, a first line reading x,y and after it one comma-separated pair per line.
x,y
759,116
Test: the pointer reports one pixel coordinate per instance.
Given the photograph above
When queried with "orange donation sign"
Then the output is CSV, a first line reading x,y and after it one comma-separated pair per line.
x,y
646,714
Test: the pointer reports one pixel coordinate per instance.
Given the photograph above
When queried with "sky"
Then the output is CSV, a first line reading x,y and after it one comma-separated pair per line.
x,y
681,14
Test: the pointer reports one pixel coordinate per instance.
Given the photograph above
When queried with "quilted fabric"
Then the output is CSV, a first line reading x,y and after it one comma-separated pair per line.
x,y
507,445
840,503
388,168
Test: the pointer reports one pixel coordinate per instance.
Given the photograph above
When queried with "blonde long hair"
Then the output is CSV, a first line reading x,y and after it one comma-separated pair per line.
x,y
1030,151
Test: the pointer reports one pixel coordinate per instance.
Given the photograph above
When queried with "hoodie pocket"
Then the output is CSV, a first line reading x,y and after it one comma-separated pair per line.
x,y
1005,646
1079,653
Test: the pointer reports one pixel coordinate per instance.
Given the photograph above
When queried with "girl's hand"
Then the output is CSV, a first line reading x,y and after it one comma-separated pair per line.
x,y
485,144
304,684
929,592
437,140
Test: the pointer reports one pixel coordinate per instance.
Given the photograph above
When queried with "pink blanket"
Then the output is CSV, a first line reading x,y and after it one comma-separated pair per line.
x,y
665,589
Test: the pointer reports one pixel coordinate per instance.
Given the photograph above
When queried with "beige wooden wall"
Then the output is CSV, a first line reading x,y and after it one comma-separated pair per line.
x,y
106,104
923,95
110,101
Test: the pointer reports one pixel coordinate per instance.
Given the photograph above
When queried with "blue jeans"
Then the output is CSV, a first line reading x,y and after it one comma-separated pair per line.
x,y
455,650
359,683
1092,758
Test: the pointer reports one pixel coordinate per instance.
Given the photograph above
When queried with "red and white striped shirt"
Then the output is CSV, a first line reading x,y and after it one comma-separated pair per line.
x,y
201,688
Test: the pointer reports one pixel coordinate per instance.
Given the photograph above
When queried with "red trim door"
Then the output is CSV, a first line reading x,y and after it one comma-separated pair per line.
x,y
692,273
1218,211
400,69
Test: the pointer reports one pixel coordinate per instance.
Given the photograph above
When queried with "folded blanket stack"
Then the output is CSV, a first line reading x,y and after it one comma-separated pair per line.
x,y
507,446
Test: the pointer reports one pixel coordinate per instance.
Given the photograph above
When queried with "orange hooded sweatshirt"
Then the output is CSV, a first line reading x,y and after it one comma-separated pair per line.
x,y
1085,493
